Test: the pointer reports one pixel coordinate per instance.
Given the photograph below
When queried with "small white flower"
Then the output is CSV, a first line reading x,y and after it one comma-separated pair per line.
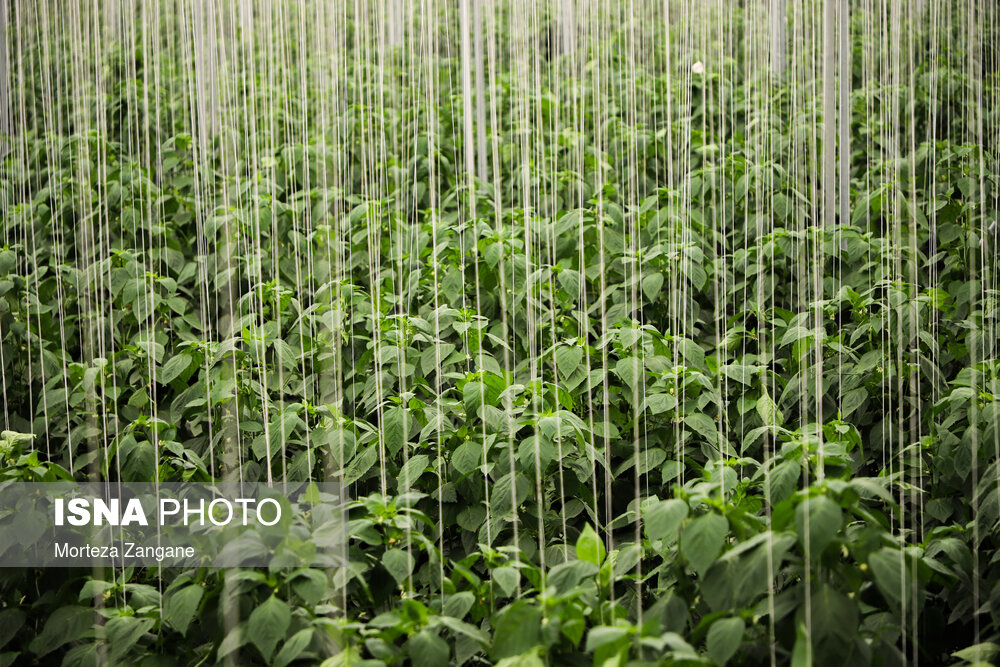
x,y
698,68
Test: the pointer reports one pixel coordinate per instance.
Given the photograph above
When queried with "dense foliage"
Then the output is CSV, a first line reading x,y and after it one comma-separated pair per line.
x,y
605,407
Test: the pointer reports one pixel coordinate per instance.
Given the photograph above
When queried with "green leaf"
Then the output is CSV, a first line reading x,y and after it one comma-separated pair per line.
x,y
768,411
823,517
568,359
663,518
651,284
782,481
702,539
793,334
565,576
294,647
467,457
660,403
83,655
704,425
123,632
139,461
361,464
603,635
399,563
236,638
609,644
754,567
8,259
268,624
506,579
590,547
310,584
517,629
509,490
459,604
981,653
392,428
887,568
835,616
348,657
411,471
693,354
530,659
483,391
174,368
631,372
467,629
91,589
802,652
852,400
536,446
474,397
493,254
66,624
11,621
452,286
724,637
720,585
180,607
739,372
648,460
